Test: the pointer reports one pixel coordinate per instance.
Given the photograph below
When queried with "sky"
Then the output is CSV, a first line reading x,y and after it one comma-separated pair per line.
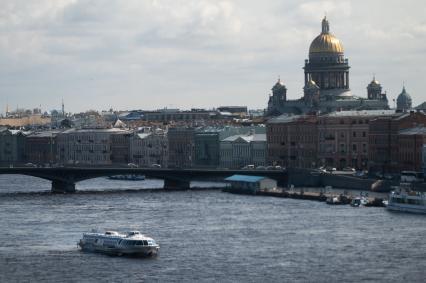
x,y
152,54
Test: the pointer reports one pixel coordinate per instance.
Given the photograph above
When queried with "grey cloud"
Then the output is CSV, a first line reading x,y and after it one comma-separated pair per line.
x,y
195,52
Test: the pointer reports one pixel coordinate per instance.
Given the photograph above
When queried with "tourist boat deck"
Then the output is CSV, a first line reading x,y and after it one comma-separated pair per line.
x,y
406,200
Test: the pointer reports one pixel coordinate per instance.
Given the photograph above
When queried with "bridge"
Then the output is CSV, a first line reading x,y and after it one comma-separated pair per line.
x,y
64,178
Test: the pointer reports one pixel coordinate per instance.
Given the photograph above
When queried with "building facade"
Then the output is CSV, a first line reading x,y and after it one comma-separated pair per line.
x,y
85,146
120,147
207,142
343,138
292,141
411,143
12,146
383,139
424,159
40,147
241,150
181,147
149,148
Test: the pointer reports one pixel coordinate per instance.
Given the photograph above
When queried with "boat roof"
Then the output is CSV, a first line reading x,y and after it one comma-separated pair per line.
x,y
131,235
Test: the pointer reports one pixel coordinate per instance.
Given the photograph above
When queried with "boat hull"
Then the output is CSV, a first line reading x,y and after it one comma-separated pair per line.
x,y
146,251
419,209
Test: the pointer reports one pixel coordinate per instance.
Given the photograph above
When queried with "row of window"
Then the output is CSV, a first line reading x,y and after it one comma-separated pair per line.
x,y
133,243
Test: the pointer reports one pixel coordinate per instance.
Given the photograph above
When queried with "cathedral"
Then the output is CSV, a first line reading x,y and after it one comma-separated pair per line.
x,y
326,86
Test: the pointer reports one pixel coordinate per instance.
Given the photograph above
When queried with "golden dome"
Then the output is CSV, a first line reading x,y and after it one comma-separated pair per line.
x,y
326,42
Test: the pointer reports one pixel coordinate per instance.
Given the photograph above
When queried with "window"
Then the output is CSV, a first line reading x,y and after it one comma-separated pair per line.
x,y
354,134
342,148
364,134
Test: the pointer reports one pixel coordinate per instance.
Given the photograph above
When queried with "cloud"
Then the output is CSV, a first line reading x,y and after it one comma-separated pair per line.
x,y
151,53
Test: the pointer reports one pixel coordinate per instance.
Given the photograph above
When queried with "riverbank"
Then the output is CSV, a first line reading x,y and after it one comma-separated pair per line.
x,y
313,178
329,196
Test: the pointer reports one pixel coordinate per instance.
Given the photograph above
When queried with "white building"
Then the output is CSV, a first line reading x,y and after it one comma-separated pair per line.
x,y
149,148
242,150
85,146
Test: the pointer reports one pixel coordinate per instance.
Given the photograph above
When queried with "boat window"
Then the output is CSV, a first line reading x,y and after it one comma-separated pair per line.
x,y
145,242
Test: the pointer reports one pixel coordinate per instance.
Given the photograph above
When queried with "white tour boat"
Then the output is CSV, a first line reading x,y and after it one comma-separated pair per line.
x,y
111,242
406,200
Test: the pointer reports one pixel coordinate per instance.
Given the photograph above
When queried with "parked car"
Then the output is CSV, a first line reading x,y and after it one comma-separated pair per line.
x,y
388,176
261,168
248,167
132,165
331,169
361,174
349,169
155,166
29,164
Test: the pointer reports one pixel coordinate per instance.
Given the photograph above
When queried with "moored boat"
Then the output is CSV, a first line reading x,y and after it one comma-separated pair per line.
x,y
359,201
128,177
406,200
111,242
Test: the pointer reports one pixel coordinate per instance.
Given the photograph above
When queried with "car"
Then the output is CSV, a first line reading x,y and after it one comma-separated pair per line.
x,y
248,167
331,169
379,175
388,176
155,166
349,169
132,165
361,174
261,168
29,164
270,167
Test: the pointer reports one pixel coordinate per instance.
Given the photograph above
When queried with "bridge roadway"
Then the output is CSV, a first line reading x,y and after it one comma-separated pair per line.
x,y
64,178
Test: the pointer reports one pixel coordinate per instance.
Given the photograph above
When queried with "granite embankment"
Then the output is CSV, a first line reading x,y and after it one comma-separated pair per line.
x,y
309,178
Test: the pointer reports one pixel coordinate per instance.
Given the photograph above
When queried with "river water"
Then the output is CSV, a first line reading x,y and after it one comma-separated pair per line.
x,y
205,236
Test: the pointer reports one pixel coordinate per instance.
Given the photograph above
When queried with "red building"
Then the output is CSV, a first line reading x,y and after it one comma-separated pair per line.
x,y
40,147
343,137
410,143
384,144
292,141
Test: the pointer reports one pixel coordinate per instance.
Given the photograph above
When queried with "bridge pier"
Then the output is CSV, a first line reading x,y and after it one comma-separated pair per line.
x,y
174,184
63,187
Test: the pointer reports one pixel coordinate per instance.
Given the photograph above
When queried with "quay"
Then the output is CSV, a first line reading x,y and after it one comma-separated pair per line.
x,y
322,196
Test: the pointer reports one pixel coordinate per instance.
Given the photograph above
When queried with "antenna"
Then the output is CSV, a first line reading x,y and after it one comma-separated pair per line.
x,y
63,107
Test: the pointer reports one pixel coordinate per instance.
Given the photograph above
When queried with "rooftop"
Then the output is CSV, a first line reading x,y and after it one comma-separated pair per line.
x,y
112,131
247,138
361,113
420,130
291,118
245,178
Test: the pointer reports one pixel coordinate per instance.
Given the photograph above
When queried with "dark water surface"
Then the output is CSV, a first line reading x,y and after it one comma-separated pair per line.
x,y
205,236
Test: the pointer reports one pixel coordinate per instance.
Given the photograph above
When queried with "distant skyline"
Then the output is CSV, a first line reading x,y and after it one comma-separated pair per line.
x,y
151,54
